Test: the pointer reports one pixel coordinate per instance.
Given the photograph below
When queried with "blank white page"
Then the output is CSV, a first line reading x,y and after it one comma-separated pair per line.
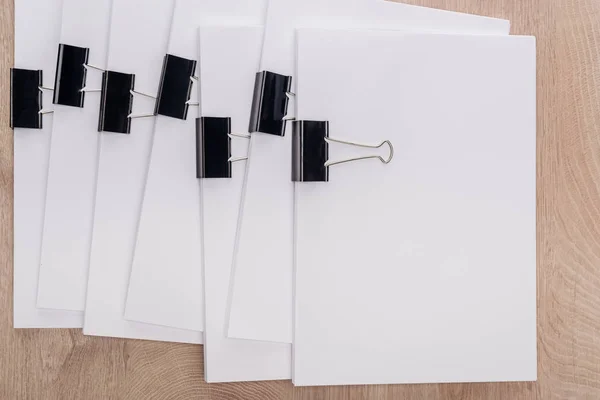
x,y
138,41
425,268
37,31
229,57
261,305
73,166
166,281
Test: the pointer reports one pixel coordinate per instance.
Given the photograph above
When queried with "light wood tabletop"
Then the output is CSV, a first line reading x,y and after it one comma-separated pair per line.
x,y
64,364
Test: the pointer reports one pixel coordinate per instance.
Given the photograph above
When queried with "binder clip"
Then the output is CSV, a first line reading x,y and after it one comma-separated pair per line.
x,y
310,151
175,87
26,98
116,102
70,75
270,103
213,147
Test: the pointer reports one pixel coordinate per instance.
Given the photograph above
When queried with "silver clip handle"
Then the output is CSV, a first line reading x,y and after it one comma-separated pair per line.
x,y
370,146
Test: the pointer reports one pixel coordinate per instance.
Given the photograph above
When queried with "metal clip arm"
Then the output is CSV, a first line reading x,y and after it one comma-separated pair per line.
x,y
370,146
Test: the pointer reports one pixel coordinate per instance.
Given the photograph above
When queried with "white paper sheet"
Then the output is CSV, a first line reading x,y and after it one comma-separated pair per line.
x,y
72,168
138,42
229,57
166,281
424,267
37,31
261,297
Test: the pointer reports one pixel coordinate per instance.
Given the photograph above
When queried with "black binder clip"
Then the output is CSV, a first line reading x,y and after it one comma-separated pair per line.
x,y
70,75
213,147
116,102
175,87
270,103
310,151
26,98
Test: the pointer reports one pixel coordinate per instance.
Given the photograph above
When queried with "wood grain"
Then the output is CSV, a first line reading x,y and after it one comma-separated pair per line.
x,y
63,364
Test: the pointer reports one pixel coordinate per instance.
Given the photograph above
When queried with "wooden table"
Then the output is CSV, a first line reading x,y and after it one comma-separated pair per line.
x,y
64,364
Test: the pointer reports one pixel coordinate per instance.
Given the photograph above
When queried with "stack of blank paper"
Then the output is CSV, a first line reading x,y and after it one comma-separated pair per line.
x,y
424,267
123,162
329,191
37,31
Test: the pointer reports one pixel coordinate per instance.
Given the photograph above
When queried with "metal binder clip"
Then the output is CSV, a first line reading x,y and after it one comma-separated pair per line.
x,y
175,87
116,102
213,147
26,98
270,103
310,151
70,75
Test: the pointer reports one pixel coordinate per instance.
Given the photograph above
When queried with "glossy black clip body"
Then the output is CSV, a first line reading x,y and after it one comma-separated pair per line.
x,y
310,151
70,75
175,87
25,98
116,102
213,147
270,103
